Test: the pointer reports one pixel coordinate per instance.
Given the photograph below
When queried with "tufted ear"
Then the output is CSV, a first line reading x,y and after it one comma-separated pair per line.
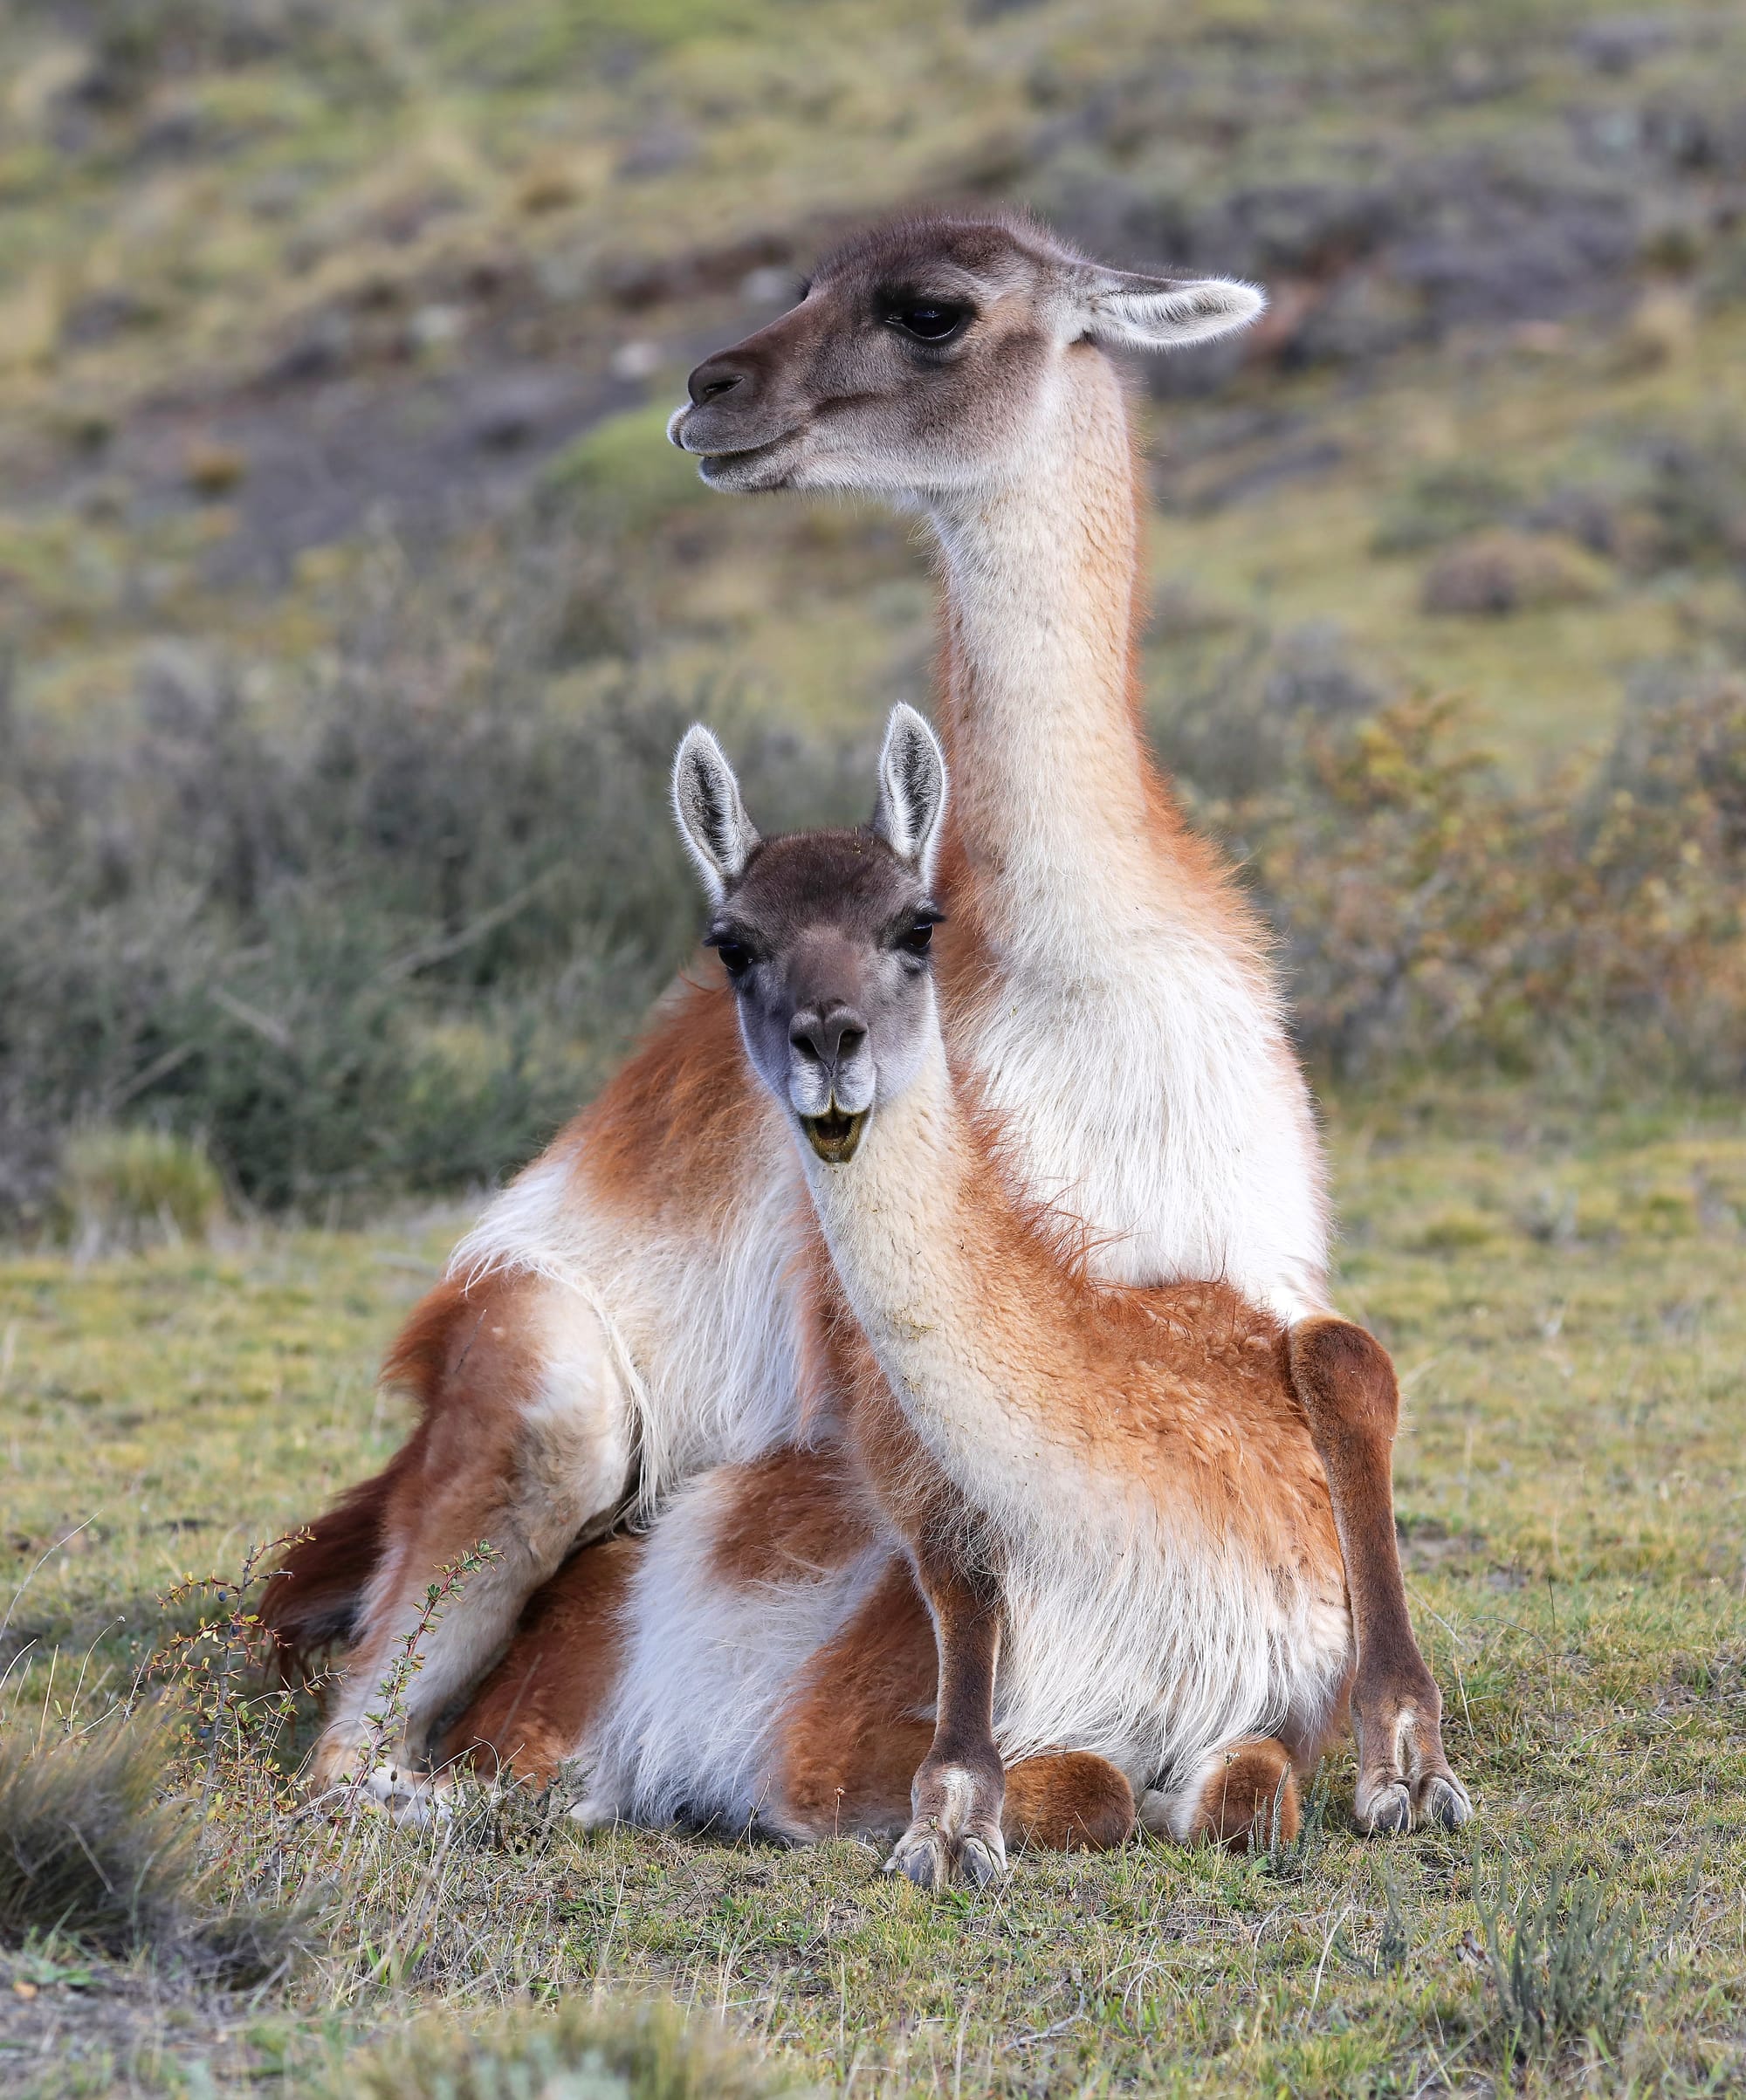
x,y
911,790
1160,312
719,834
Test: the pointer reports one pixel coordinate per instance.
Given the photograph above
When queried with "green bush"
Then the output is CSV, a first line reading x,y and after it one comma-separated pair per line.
x,y
1566,1962
382,925
122,1188
382,930
1430,914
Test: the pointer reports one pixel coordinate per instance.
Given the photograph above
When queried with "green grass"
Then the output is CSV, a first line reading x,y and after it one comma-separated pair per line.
x,y
1564,1297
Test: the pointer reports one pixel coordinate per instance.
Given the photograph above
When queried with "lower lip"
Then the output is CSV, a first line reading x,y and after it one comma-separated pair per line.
x,y
837,1145
714,465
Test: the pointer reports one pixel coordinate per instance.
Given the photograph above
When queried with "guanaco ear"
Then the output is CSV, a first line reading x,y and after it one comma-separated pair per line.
x,y
719,834
911,790
1160,312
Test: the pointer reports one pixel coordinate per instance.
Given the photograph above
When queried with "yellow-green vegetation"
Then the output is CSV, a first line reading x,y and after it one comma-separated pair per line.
x,y
420,242
350,596
1564,1297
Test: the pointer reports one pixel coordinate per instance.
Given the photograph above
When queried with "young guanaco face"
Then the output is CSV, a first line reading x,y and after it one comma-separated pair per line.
x,y
824,936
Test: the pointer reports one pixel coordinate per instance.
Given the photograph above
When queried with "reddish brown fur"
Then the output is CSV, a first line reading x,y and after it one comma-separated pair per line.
x,y
534,1707
312,1600
1251,1798
853,1739
854,1733
1069,1802
670,1132
791,1510
668,1141
1348,1389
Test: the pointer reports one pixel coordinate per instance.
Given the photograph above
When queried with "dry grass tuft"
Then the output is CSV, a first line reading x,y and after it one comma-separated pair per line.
x,y
91,1852
584,2051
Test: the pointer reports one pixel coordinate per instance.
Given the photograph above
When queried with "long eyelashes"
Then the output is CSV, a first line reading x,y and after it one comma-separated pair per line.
x,y
932,321
736,957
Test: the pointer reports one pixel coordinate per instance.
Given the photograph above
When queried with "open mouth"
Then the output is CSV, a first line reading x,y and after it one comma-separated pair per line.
x,y
834,1135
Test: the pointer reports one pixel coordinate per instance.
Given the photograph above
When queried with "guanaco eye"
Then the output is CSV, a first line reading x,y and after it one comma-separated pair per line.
x,y
916,939
928,320
735,956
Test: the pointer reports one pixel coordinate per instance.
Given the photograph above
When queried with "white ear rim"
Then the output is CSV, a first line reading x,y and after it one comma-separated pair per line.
x,y
713,825
1164,313
910,811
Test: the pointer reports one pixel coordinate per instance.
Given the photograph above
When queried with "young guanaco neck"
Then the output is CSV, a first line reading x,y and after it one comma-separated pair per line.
x,y
958,1307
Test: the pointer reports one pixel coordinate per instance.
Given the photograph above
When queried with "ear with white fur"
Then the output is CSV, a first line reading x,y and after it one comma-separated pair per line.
x,y
719,834
911,790
1161,312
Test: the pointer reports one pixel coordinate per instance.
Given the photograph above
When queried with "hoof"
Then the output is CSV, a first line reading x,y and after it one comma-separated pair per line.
x,y
920,1857
925,1856
412,1799
977,1863
1413,1787
1387,1812
1445,1801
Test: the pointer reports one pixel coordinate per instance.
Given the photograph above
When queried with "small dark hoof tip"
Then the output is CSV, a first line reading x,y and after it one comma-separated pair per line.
x,y
980,1864
1389,1814
1447,1802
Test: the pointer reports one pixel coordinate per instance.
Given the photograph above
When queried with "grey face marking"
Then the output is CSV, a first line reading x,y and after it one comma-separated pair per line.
x,y
825,941
824,935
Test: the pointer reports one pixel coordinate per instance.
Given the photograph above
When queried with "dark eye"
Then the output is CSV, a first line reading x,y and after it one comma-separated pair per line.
x,y
916,939
928,320
736,957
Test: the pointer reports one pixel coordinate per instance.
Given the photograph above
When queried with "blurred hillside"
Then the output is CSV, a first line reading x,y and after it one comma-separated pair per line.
x,y
352,597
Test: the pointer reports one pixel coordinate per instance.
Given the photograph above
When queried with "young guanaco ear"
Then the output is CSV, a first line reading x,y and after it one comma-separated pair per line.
x,y
911,790
1160,312
719,834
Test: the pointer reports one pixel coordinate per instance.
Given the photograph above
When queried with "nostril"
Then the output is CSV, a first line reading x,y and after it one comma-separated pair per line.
x,y
849,1042
803,1033
710,386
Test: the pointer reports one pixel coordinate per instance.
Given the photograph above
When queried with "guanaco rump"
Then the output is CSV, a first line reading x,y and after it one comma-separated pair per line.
x,y
1166,1616
633,1308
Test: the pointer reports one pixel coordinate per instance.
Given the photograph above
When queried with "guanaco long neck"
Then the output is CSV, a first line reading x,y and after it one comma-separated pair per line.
x,y
1104,983
1051,780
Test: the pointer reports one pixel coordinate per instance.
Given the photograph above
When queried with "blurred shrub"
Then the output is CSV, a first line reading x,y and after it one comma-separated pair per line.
x,y
135,43
383,928
121,1188
1430,914
256,916
1499,572
1444,502
580,2052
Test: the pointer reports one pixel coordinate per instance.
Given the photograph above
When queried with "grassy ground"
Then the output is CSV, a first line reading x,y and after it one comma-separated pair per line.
x,y
1564,1302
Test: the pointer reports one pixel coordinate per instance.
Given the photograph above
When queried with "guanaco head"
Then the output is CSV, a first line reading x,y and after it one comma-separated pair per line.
x,y
922,355
824,935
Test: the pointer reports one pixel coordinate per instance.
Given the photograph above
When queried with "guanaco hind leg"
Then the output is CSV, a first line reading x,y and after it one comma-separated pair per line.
x,y
1346,1385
